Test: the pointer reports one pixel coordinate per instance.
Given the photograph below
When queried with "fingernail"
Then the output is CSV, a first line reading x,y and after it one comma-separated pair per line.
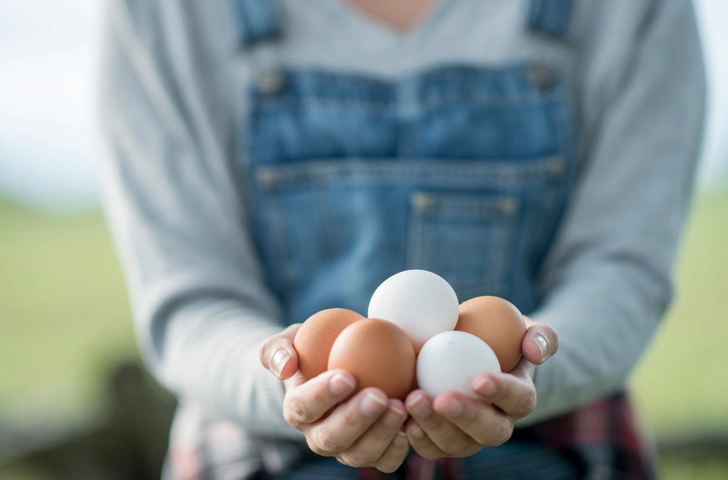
x,y
340,384
485,387
279,360
393,417
371,404
543,345
419,406
417,432
400,439
454,407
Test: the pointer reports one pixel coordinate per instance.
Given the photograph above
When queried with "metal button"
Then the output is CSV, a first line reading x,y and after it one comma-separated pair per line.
x,y
270,82
268,177
422,200
556,166
508,205
542,76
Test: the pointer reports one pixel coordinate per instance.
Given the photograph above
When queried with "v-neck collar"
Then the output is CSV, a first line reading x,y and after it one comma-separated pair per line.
x,y
372,26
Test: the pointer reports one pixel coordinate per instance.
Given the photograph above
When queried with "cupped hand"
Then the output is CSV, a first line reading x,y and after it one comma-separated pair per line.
x,y
456,425
361,431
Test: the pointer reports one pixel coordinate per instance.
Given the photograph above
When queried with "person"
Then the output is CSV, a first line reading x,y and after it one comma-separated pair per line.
x,y
270,159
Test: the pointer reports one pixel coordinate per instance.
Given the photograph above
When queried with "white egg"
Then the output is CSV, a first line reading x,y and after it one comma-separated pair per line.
x,y
419,302
450,361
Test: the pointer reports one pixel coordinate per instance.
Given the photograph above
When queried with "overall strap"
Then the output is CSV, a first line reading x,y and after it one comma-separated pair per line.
x,y
549,17
259,20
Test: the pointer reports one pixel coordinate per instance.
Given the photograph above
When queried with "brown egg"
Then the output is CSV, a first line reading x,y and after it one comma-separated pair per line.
x,y
497,322
378,353
314,339
415,385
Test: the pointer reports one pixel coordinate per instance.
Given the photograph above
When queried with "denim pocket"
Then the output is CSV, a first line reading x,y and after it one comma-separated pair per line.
x,y
468,239
334,229
459,170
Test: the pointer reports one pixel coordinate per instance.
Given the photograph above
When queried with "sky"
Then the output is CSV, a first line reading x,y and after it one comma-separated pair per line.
x,y
48,139
49,143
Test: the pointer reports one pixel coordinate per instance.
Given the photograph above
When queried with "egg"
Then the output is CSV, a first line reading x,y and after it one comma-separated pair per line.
x,y
315,337
378,354
419,302
450,361
415,385
498,323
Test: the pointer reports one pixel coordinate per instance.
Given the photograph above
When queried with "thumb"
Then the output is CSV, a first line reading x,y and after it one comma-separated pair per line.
x,y
540,342
278,355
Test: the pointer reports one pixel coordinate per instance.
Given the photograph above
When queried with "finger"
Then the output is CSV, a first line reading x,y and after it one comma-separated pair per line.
x,y
278,355
539,343
446,436
337,432
309,401
294,381
395,453
371,445
421,443
523,370
514,392
485,424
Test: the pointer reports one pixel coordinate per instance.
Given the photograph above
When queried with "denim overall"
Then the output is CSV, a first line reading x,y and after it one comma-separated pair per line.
x,y
459,170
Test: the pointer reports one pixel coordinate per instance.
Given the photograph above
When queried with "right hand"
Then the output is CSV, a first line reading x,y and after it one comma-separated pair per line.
x,y
363,431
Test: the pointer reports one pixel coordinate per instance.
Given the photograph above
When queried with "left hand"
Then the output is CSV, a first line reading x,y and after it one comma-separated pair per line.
x,y
360,431
454,425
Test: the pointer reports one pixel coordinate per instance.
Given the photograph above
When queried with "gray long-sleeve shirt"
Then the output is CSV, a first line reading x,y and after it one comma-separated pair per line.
x,y
172,73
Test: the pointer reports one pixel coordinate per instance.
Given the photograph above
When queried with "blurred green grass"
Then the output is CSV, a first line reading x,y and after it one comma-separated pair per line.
x,y
681,382
64,315
64,319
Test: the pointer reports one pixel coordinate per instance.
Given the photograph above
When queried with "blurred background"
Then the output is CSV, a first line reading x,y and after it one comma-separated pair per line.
x,y
74,402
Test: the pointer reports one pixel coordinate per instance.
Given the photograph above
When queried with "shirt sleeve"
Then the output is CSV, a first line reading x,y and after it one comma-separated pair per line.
x,y
607,280
200,305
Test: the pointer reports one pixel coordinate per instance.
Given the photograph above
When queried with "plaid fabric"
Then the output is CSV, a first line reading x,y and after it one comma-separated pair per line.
x,y
600,441
604,436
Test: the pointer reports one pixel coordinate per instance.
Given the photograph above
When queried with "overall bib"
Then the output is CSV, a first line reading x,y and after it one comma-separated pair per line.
x,y
464,171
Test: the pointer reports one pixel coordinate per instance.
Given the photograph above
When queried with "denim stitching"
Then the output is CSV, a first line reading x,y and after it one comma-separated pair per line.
x,y
474,174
